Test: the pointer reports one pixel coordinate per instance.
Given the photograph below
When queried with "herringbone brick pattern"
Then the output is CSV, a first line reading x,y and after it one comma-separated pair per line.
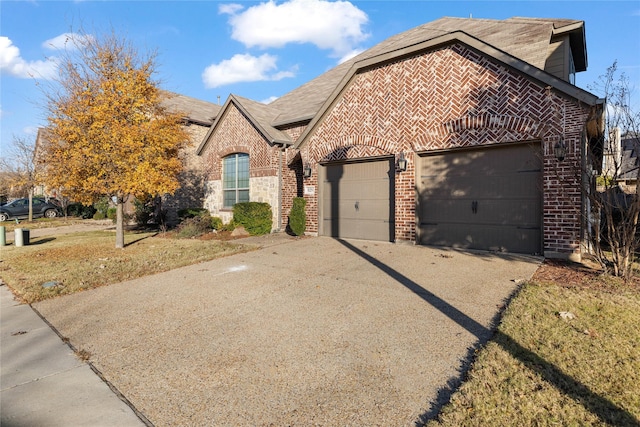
x,y
454,97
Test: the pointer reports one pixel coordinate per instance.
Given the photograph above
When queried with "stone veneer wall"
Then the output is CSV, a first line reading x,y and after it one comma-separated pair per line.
x,y
261,189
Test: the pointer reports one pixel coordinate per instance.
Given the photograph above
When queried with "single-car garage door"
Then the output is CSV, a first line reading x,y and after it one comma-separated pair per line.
x,y
356,200
488,199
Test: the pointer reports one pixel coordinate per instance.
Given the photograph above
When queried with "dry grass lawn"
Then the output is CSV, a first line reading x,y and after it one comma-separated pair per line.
x,y
87,260
546,367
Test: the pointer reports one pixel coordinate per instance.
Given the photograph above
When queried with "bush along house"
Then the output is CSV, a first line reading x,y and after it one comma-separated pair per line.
x,y
465,133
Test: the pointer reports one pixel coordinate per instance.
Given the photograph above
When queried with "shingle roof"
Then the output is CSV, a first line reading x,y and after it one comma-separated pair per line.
x,y
630,163
196,110
526,39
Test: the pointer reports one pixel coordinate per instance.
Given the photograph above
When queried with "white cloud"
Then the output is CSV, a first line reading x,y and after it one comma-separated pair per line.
x,y
13,64
349,55
229,9
243,68
68,41
336,26
269,100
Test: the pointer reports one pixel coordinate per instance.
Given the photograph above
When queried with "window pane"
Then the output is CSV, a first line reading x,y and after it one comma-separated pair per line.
x,y
229,198
229,172
243,171
243,196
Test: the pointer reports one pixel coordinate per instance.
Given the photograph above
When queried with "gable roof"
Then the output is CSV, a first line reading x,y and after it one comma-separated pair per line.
x,y
520,42
196,110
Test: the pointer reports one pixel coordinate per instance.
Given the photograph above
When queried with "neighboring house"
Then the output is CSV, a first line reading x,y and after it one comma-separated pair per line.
x,y
441,135
198,117
621,159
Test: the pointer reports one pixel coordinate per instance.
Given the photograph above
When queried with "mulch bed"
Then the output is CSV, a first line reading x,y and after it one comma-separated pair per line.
x,y
572,274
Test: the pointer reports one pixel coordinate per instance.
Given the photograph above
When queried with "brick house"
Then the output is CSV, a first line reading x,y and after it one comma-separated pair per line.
x,y
198,118
442,135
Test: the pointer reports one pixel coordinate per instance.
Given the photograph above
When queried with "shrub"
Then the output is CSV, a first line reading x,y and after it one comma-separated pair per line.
x,y
255,217
192,212
144,210
98,215
80,210
298,216
230,226
102,206
193,227
111,213
216,223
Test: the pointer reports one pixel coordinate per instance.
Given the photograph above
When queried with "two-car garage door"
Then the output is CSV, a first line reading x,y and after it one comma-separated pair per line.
x,y
488,199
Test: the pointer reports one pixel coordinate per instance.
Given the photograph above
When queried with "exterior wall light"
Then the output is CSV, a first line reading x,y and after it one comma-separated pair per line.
x,y
560,150
401,164
306,171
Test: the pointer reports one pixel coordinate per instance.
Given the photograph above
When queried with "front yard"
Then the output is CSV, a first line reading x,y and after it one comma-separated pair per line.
x,y
74,262
567,352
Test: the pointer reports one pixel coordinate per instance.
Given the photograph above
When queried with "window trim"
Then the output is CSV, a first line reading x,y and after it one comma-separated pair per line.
x,y
236,189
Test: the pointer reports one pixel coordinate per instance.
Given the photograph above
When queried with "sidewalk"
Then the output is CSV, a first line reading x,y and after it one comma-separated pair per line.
x,y
43,383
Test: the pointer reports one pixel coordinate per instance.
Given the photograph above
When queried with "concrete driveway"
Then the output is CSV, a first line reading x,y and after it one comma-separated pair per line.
x,y
313,331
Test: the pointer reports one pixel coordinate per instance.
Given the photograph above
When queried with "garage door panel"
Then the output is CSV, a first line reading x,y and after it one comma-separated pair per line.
x,y
472,236
356,200
482,199
494,212
503,186
357,209
357,229
364,189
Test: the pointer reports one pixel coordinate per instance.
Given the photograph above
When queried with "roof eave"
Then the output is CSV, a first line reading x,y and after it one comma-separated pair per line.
x,y
255,123
577,40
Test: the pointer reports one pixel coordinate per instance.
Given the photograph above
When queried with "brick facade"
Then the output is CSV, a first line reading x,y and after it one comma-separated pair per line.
x,y
235,134
191,178
452,98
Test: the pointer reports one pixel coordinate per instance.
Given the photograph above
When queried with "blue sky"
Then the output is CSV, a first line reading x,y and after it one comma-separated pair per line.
x,y
262,50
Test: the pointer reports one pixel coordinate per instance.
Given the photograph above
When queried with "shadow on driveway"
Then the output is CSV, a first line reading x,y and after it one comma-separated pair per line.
x,y
604,409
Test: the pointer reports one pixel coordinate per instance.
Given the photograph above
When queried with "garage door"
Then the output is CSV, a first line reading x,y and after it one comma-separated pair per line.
x,y
357,200
487,199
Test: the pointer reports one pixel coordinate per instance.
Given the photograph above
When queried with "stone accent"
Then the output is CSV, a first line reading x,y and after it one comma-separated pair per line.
x,y
261,189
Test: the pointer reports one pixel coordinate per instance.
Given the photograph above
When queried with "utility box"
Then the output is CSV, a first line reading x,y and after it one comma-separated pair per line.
x,y
21,237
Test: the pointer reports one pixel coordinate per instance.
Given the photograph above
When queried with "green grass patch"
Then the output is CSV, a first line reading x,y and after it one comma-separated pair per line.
x,y
87,260
544,370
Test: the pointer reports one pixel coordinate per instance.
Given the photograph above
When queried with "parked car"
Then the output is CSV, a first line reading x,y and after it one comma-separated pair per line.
x,y
20,209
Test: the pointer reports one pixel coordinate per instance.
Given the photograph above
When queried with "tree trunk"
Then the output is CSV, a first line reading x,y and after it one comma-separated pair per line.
x,y
119,223
30,205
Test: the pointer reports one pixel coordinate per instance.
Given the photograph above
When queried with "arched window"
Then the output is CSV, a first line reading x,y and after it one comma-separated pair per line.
x,y
235,179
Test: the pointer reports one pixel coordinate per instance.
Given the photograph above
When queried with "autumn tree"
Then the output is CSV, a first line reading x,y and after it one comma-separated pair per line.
x,y
108,133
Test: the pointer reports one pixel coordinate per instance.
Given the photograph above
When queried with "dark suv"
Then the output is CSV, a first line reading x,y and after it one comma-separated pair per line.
x,y
20,209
